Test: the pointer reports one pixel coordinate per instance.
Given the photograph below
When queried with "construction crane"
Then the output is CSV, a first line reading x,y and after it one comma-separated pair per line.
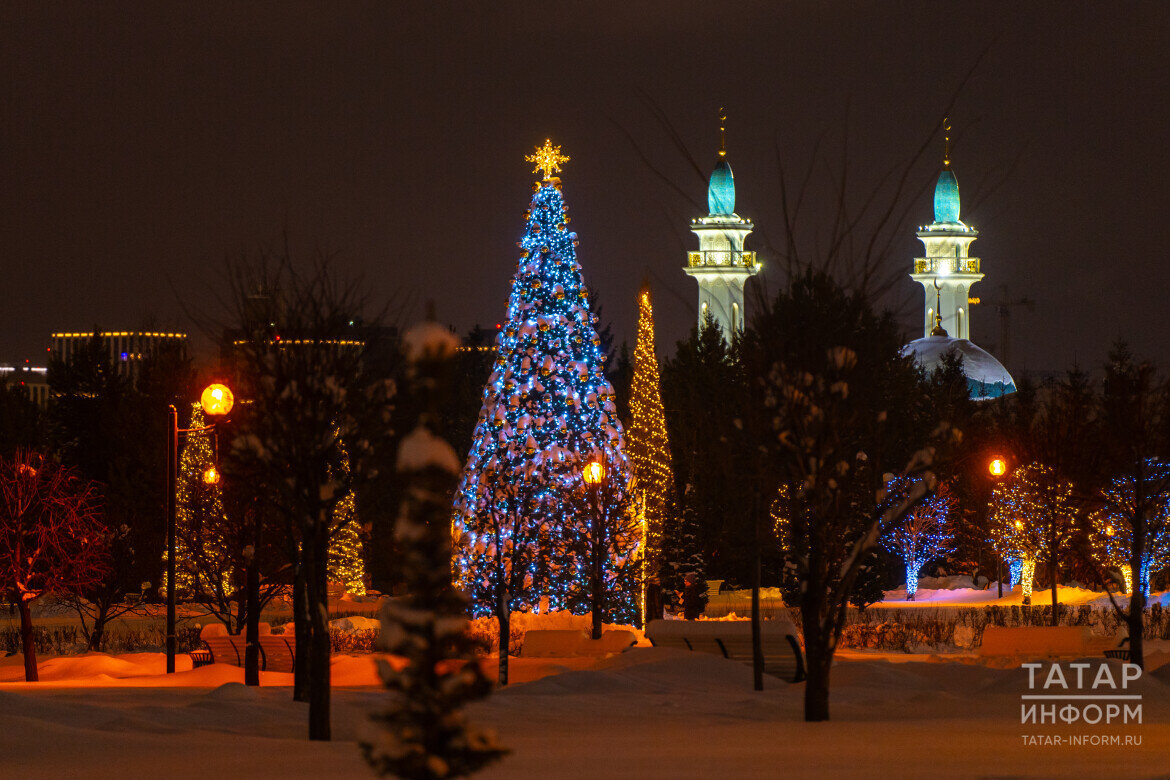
x,y
1003,308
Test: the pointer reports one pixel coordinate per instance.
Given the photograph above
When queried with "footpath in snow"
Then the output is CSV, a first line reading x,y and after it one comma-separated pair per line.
x,y
648,712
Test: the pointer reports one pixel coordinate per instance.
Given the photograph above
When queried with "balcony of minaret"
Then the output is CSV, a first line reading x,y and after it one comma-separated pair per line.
x,y
721,258
946,265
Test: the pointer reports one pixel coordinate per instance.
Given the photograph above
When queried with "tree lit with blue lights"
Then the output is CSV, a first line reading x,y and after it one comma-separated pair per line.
x,y
547,409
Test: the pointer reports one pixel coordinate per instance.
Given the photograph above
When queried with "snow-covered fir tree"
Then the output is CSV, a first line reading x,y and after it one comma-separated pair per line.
x,y
424,733
547,408
682,553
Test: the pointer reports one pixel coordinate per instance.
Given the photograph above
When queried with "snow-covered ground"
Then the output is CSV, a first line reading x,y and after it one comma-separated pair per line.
x,y
956,591
649,712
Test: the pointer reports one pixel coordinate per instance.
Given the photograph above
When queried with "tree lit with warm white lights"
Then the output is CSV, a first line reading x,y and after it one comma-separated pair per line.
x,y
1113,532
1031,511
649,449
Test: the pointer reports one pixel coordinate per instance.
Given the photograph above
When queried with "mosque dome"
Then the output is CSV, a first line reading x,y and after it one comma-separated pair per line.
x,y
721,190
946,197
986,376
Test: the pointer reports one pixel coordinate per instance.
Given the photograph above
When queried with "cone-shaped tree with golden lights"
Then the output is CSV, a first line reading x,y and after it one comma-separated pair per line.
x,y
649,450
346,563
212,547
207,546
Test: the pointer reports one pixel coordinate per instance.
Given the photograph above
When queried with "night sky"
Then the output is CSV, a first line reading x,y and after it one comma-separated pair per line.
x,y
142,145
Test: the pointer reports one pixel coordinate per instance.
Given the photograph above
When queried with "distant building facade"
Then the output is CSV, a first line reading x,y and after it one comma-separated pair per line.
x,y
33,380
126,349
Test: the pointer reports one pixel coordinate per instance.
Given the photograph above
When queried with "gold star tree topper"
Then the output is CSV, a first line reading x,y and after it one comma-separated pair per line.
x,y
548,159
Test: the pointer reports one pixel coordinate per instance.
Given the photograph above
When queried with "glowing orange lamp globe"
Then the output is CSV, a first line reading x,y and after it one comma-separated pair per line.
x,y
211,476
217,400
594,472
997,467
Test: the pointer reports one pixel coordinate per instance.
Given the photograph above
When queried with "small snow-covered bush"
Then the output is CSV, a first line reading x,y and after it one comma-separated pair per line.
x,y
69,640
356,641
484,632
884,636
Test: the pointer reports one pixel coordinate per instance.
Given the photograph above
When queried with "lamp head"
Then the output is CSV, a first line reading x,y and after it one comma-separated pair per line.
x,y
594,472
217,400
997,467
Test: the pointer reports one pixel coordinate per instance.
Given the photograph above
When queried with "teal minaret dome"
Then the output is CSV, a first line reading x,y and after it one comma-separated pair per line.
x,y
946,197
721,189
947,272
722,265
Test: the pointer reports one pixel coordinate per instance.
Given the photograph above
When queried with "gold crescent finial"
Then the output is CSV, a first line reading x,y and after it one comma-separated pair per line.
x,y
722,132
548,159
946,142
938,330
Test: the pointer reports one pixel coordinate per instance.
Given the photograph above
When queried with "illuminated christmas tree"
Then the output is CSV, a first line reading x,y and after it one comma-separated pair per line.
x,y
1112,537
205,542
547,409
924,535
346,563
649,451
211,546
1028,510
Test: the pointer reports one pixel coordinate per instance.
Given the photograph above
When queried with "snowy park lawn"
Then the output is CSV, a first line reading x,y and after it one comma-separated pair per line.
x,y
939,592
649,712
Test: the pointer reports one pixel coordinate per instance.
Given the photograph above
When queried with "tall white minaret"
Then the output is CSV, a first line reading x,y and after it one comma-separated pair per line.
x,y
947,271
721,266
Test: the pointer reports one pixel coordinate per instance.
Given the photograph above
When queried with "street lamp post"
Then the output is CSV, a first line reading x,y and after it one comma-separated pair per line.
x,y
216,400
594,476
997,468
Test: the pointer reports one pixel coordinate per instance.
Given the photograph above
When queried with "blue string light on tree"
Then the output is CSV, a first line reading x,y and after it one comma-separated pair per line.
x,y
1112,537
547,408
1015,571
924,535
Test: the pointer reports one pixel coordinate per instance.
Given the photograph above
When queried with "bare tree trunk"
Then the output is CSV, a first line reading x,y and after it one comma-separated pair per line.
x,y
818,664
252,640
252,586
1137,599
26,640
301,628
1137,596
1055,577
1137,603
757,640
99,627
319,649
503,614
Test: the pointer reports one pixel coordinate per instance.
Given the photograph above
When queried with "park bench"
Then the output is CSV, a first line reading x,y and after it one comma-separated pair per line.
x,y
277,651
1121,652
561,643
732,639
1043,642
